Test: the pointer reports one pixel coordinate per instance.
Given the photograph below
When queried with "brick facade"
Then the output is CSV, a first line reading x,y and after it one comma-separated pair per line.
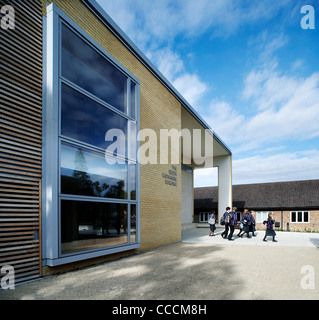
x,y
280,198
284,217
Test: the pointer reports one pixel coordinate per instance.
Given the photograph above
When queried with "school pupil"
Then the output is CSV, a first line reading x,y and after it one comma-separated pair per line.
x,y
212,222
232,223
252,223
226,219
243,227
270,228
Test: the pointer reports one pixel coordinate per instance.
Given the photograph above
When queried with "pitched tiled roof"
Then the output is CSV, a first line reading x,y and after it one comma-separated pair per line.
x,y
277,195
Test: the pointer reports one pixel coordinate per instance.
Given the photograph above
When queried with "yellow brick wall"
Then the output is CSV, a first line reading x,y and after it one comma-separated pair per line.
x,y
160,209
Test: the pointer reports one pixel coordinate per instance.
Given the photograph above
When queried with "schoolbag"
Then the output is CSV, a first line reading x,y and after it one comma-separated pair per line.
x,y
224,219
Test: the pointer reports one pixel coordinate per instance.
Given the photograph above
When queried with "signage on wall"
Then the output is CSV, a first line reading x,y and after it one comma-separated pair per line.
x,y
171,177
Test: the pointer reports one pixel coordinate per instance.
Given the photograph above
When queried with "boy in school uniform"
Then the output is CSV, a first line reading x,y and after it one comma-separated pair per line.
x,y
232,223
226,217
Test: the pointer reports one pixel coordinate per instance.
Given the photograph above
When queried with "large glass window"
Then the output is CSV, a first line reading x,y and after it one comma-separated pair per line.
x,y
87,121
85,172
90,225
87,68
98,199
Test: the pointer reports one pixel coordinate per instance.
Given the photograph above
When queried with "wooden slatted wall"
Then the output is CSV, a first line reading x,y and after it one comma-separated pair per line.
x,y
21,140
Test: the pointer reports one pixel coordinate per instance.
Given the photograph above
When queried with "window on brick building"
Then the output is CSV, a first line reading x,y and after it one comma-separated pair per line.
x,y
203,216
262,216
299,217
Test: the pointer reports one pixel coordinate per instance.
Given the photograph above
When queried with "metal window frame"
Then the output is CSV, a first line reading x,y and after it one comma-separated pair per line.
x,y
52,140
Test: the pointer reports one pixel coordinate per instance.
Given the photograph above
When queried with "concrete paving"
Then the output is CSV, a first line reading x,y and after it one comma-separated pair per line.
x,y
290,239
198,268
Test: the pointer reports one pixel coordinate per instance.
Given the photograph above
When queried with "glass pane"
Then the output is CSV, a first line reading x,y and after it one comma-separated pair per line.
x,y
132,145
306,216
293,216
133,223
133,103
85,120
84,172
91,225
91,71
133,181
299,216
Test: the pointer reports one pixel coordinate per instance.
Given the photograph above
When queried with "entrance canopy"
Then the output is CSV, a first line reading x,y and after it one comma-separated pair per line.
x,y
213,153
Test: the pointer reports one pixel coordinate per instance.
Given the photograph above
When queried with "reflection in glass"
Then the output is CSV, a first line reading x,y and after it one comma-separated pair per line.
x,y
85,120
92,225
85,172
133,96
133,223
90,70
132,142
132,168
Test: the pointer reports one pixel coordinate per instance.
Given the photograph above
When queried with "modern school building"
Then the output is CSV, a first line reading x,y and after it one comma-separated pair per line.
x,y
71,194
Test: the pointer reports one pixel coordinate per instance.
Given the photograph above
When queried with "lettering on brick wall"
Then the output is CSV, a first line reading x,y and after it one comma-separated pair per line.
x,y
171,177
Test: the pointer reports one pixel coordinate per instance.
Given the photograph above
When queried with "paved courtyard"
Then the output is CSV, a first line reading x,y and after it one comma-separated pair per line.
x,y
198,268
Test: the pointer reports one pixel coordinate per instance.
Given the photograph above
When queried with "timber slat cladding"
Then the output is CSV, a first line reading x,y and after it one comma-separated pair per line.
x,y
21,140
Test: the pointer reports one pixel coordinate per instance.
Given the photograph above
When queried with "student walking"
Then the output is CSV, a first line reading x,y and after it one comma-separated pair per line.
x,y
242,224
232,223
226,218
251,223
212,222
270,228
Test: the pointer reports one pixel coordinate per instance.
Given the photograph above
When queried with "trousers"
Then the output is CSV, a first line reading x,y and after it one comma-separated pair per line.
x,y
225,233
232,228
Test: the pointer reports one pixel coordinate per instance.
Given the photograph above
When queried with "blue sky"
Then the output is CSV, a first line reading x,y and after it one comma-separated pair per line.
x,y
249,70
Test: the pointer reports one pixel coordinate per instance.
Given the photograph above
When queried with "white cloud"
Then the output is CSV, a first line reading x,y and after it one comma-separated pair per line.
x,y
191,87
168,62
283,107
172,67
280,167
163,20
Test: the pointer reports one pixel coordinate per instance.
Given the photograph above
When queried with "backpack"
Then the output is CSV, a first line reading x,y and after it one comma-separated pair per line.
x,y
224,219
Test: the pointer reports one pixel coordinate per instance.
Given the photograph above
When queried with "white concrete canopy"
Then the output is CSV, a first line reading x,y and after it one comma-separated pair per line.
x,y
215,153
